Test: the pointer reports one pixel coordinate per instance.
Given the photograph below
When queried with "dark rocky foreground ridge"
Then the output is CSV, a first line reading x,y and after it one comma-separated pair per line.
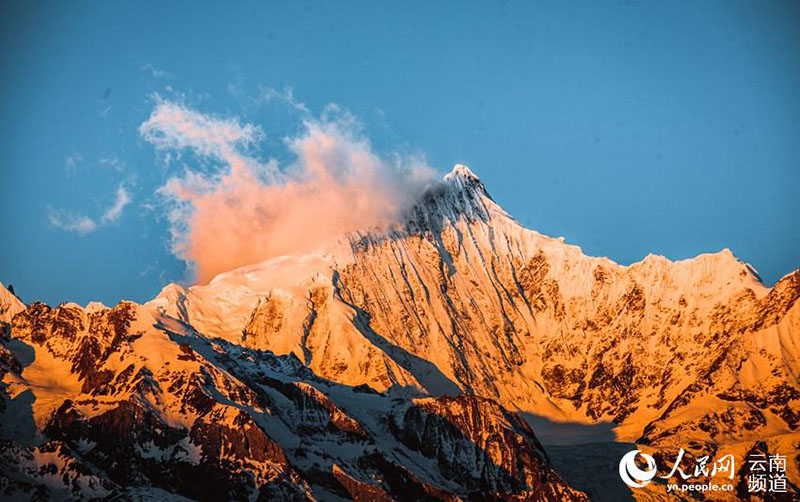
x,y
121,404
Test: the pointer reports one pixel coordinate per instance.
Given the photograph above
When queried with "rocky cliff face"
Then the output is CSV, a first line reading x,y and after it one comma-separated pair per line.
x,y
469,434
129,404
10,305
458,298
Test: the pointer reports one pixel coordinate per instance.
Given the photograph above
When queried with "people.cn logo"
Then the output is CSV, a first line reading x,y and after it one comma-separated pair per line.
x,y
630,472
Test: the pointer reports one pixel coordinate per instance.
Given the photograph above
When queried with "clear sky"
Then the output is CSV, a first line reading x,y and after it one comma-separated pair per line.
x,y
626,127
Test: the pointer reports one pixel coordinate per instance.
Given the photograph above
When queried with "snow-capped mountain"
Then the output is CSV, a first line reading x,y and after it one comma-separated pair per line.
x,y
414,363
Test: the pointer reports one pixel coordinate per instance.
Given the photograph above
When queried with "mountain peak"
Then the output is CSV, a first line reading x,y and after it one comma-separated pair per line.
x,y
460,195
462,179
460,170
464,183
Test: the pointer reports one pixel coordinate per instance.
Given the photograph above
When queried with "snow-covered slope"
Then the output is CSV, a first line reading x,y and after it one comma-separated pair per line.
x,y
503,311
459,297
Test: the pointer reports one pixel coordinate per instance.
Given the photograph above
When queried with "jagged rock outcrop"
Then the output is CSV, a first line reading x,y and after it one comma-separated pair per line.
x,y
10,305
473,435
128,403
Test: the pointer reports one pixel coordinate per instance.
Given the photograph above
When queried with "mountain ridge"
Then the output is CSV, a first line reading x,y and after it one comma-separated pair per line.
x,y
456,299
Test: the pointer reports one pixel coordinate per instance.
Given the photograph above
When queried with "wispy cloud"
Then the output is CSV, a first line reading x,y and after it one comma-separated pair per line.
x,y
286,97
113,162
154,72
246,210
113,213
71,222
72,163
82,224
74,159
176,127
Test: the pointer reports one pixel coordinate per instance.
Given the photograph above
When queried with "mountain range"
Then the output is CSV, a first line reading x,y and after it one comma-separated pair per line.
x,y
452,356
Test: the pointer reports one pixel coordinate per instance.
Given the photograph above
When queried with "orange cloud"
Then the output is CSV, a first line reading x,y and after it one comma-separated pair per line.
x,y
249,211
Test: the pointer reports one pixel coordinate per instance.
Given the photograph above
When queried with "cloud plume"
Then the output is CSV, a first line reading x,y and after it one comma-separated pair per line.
x,y
244,210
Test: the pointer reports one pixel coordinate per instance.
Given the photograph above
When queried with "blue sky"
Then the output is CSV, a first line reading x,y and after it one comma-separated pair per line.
x,y
626,127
